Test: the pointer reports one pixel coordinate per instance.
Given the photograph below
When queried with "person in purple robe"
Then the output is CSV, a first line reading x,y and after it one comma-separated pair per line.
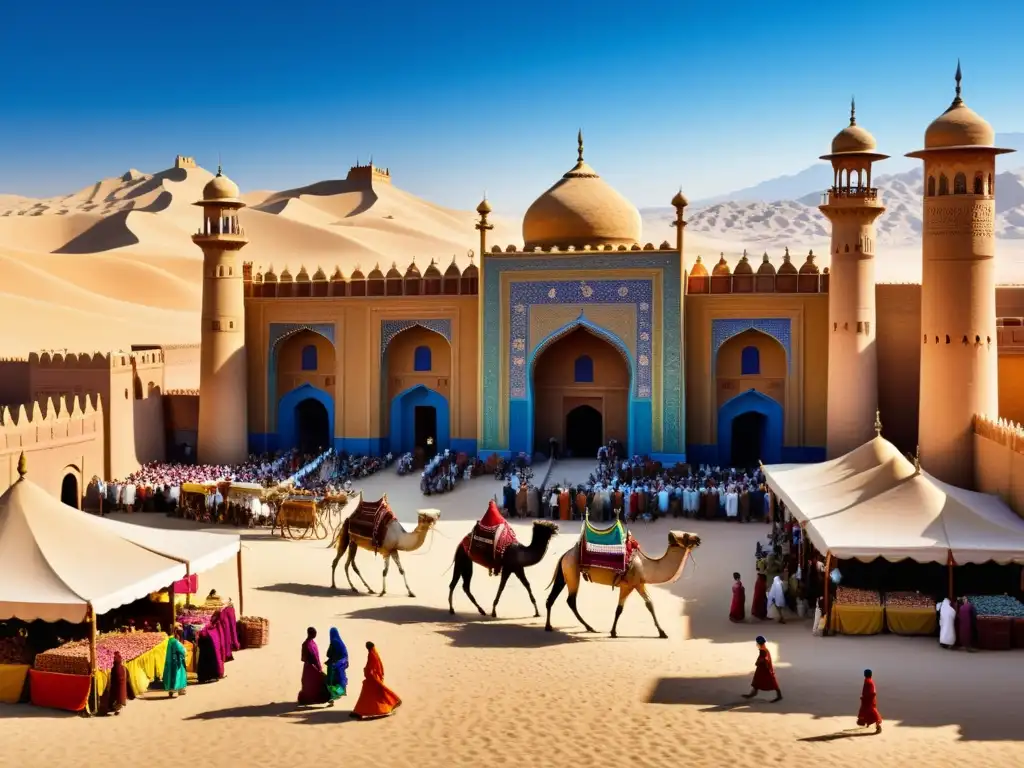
x,y
965,615
211,657
314,681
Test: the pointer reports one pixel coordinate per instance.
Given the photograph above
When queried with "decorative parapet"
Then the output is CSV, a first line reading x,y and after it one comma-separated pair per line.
x,y
1002,431
49,420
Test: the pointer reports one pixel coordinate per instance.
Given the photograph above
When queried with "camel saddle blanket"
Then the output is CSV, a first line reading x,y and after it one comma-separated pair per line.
x,y
490,537
370,521
609,548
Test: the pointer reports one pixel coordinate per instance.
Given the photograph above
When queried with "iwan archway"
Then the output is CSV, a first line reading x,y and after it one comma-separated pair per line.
x,y
578,391
305,419
420,419
750,430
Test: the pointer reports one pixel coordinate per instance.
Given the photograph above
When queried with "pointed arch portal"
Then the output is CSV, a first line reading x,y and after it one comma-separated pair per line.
x,y
750,429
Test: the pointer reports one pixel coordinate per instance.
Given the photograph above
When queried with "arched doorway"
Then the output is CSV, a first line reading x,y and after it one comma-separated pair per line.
x,y
312,426
69,491
419,420
579,393
416,392
584,431
748,433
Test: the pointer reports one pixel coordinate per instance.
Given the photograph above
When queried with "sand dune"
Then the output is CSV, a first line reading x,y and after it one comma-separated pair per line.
x,y
118,252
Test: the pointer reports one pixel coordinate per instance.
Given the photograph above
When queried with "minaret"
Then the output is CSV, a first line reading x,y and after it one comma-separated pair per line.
x,y
852,205
223,379
959,376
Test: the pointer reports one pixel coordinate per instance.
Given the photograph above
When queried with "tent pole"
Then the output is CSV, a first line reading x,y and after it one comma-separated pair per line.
x,y
92,660
828,600
241,599
949,567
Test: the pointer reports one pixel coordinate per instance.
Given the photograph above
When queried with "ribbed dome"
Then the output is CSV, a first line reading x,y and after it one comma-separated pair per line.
x,y
581,209
220,188
699,270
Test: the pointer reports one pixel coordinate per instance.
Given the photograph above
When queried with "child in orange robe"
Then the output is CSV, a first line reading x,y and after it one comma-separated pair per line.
x,y
375,699
868,714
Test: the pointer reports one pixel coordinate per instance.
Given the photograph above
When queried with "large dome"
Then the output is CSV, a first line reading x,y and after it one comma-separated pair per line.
x,y
220,188
581,209
959,126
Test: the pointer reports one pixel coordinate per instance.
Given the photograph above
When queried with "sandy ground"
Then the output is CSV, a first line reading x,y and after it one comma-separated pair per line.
x,y
479,691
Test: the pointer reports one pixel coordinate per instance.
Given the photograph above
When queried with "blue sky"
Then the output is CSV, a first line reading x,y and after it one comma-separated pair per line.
x,y
458,97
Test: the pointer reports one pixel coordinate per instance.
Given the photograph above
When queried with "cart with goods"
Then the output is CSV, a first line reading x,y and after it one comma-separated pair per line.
x,y
299,518
193,500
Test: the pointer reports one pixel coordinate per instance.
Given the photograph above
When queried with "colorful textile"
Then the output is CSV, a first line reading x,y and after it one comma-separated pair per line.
x,y
12,682
764,672
187,586
375,699
738,608
314,682
370,521
337,666
608,548
175,677
868,713
489,539
759,605
56,691
210,666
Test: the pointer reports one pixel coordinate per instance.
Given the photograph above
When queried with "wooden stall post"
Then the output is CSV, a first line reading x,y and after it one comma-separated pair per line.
x,y
241,598
949,567
93,690
174,608
828,596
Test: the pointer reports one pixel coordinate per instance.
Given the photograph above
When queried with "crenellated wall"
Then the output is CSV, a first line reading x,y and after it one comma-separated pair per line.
x,y
999,460
60,437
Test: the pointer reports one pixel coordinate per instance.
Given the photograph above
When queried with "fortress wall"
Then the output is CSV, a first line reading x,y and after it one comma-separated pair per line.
x,y
58,437
999,461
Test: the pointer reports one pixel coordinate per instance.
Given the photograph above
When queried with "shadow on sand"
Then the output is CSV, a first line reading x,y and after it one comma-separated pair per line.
x,y
468,630
311,590
304,715
984,720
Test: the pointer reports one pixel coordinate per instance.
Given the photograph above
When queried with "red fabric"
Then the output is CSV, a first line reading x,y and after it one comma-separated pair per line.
x,y
375,699
491,525
56,691
737,609
868,714
764,672
371,521
759,605
492,517
187,586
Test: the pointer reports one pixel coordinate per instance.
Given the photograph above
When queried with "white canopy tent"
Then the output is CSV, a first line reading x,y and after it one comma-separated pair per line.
x,y
58,564
873,502
199,550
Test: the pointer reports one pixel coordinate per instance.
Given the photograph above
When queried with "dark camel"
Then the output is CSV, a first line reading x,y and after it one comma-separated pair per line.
x,y
515,560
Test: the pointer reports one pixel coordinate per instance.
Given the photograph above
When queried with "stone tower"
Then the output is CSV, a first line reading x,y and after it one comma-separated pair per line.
x,y
852,205
958,290
223,416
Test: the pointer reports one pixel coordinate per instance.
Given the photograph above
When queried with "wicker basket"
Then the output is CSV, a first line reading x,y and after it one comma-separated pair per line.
x,y
253,631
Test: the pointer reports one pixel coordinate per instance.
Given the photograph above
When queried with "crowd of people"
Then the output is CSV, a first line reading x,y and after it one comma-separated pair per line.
x,y
445,470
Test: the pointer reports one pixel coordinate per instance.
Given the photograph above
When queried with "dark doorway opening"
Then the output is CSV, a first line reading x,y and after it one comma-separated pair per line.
x,y
748,430
69,491
312,427
584,431
425,426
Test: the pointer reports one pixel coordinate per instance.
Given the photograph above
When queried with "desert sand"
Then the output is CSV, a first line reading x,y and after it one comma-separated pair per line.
x,y
112,265
481,691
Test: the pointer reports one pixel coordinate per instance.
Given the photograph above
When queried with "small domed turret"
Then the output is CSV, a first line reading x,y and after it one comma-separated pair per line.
x,y
484,208
809,267
413,270
432,270
787,267
393,272
375,273
453,269
721,268
743,267
680,201
699,270
220,189
766,268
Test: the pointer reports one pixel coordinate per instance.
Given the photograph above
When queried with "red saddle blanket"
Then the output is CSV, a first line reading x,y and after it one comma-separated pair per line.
x,y
371,520
489,539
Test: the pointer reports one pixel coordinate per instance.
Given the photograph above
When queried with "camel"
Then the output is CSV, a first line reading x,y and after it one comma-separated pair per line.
x,y
396,539
642,571
515,560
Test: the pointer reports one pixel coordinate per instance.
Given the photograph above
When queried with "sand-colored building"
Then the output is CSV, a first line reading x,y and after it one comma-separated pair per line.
x,y
586,334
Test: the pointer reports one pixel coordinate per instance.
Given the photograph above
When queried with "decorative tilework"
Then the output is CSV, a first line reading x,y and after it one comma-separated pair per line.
x,y
779,328
494,347
278,333
391,328
527,294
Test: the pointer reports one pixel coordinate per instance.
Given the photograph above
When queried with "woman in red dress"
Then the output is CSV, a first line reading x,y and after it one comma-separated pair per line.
x,y
759,605
764,673
868,714
737,609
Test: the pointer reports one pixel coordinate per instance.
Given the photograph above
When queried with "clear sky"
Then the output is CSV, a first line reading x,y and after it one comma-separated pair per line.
x,y
459,97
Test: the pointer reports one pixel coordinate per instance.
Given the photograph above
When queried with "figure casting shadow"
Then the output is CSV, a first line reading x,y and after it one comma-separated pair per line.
x,y
273,709
305,590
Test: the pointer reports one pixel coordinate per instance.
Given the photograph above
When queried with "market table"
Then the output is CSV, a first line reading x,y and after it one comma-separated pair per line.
x,y
857,619
12,682
55,690
911,621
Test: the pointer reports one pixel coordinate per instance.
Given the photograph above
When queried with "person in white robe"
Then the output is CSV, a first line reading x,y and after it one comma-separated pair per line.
x,y
777,598
947,623
732,503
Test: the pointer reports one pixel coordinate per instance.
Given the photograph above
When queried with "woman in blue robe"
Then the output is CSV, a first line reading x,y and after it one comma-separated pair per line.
x,y
337,666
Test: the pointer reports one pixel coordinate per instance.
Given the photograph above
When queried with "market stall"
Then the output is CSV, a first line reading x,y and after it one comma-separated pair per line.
x,y
857,612
874,503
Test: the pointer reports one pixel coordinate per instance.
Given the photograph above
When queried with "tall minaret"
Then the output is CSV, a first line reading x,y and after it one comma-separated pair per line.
x,y
959,376
852,205
223,380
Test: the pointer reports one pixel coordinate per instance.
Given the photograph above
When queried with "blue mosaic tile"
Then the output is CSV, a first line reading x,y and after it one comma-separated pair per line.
x,y
391,328
524,296
673,403
278,333
779,328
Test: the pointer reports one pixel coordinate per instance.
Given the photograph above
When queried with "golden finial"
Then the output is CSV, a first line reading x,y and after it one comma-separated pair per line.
x,y
878,423
579,146
22,465
853,111
958,77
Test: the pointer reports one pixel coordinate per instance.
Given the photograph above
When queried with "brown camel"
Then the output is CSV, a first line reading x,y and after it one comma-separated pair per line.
x,y
642,571
396,539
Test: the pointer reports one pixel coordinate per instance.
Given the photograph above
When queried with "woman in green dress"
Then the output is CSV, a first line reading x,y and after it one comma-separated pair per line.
x,y
175,675
337,666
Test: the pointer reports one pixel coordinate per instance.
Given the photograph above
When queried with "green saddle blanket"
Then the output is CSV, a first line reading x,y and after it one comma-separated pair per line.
x,y
607,537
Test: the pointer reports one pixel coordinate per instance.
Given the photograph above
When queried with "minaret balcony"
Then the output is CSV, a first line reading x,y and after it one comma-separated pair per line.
x,y
855,193
227,239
